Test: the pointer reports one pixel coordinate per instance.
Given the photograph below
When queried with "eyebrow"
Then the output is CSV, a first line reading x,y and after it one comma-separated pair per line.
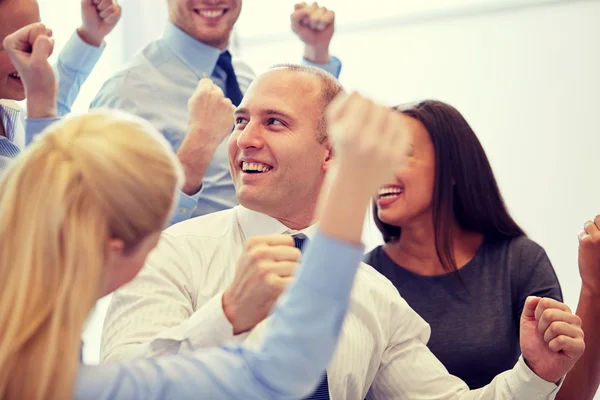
x,y
239,111
269,112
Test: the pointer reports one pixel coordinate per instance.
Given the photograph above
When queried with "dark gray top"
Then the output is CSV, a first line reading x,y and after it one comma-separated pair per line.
x,y
475,327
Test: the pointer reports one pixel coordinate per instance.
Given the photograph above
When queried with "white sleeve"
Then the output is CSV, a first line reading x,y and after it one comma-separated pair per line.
x,y
409,370
155,313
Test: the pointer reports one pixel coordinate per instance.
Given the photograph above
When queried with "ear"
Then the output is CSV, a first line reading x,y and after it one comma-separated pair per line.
x,y
114,257
115,251
329,156
116,246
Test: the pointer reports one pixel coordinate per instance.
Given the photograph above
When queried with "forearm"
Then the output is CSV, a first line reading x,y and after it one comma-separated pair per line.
x,y
583,380
206,327
35,126
429,379
519,383
75,63
345,205
317,54
42,105
195,160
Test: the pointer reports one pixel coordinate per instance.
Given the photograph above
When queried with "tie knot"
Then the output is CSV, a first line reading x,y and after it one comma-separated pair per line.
x,y
224,60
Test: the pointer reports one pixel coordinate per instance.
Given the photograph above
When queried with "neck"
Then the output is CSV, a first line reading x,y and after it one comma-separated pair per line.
x,y
416,249
298,222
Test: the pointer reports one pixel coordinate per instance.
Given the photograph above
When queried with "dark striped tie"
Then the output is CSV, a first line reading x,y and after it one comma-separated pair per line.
x,y
322,391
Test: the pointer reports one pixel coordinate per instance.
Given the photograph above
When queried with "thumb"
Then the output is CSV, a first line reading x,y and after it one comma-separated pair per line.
x,y
42,49
531,304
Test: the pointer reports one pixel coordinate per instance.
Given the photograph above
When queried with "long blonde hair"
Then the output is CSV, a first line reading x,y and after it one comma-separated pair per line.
x,y
83,182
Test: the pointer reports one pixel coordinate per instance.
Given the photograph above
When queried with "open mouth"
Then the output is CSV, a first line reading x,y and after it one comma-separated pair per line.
x,y
16,77
212,14
254,167
390,192
388,195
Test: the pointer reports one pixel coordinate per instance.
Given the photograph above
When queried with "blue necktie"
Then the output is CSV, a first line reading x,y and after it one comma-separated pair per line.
x,y
232,88
322,391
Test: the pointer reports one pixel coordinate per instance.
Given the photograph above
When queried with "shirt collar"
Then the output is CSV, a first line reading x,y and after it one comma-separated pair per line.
x,y
199,57
9,114
254,224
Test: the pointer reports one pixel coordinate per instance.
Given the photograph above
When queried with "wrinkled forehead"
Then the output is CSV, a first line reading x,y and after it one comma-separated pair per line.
x,y
15,14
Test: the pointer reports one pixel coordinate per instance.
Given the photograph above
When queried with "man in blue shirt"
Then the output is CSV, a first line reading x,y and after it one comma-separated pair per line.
x,y
161,84
75,62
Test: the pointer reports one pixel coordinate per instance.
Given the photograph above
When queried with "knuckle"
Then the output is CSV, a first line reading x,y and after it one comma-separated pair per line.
x,y
562,340
273,285
263,270
252,242
567,309
257,254
548,315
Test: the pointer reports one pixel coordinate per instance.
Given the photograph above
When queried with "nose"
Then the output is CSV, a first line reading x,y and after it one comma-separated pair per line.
x,y
251,137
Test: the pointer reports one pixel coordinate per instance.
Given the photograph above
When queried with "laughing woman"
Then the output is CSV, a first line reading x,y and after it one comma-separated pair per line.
x,y
453,250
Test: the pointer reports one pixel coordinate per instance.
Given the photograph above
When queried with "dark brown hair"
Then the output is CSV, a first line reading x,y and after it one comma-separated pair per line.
x,y
464,189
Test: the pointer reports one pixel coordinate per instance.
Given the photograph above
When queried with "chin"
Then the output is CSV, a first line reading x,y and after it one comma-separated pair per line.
x,y
16,96
212,34
387,218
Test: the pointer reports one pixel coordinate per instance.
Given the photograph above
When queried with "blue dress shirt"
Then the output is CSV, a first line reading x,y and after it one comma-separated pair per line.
x,y
75,62
301,339
157,84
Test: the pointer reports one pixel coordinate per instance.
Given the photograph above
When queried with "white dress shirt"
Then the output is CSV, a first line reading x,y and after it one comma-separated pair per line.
x,y
175,305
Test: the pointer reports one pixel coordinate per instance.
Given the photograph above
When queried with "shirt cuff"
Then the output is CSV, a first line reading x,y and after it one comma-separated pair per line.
x,y
186,205
79,56
329,265
334,67
527,385
35,126
208,326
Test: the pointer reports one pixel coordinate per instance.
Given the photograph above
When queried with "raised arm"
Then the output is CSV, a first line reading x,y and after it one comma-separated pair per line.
x,y
83,50
314,25
583,381
51,93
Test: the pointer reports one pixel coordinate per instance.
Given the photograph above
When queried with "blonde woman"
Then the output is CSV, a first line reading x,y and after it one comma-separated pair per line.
x,y
82,207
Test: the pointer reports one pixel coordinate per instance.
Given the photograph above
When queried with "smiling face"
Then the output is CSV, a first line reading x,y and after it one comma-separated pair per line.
x,y
408,200
208,21
277,163
14,14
